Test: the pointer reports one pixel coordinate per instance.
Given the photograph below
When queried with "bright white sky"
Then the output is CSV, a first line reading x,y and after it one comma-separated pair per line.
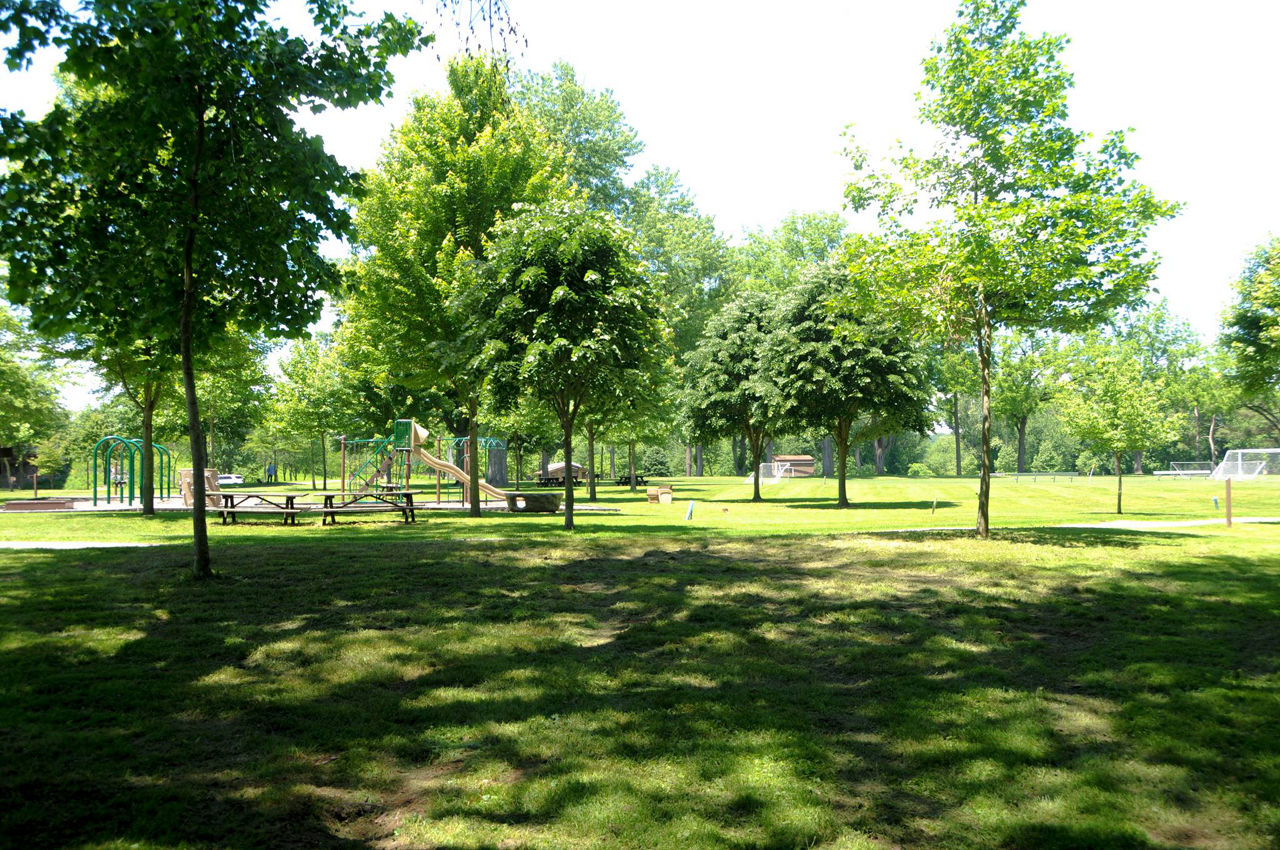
x,y
748,99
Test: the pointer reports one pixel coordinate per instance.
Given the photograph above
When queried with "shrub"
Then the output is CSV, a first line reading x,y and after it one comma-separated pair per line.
x,y
919,470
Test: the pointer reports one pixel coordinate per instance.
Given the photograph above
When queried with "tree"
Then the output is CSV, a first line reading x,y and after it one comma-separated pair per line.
x,y
1252,333
1040,231
1020,385
1112,406
955,372
854,374
727,391
29,407
589,126
574,317
775,261
311,398
192,155
689,262
459,163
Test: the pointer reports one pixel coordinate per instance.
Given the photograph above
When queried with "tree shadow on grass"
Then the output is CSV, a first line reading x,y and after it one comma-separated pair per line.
x,y
830,504
327,692
1057,536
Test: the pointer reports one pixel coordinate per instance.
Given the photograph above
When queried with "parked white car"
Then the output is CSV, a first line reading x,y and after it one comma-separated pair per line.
x,y
230,479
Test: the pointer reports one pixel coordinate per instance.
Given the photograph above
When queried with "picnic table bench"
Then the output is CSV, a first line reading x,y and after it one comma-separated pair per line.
x,y
625,480
380,501
235,502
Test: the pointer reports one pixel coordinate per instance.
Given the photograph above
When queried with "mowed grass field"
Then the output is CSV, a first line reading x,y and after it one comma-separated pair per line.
x,y
723,507
774,676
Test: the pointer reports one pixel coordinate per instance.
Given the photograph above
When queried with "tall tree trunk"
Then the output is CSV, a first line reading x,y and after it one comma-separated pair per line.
x,y
324,461
1119,484
882,446
148,488
613,472
473,447
201,564
688,461
546,464
1022,443
1195,414
1213,447
857,459
756,443
984,370
311,456
591,464
631,463
955,429
1137,462
568,474
842,462
697,460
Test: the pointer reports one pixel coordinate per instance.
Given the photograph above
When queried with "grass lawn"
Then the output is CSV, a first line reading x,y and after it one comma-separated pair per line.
x,y
751,678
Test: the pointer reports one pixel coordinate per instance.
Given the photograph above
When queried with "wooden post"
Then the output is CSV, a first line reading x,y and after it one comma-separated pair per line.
x,y
1228,503
438,454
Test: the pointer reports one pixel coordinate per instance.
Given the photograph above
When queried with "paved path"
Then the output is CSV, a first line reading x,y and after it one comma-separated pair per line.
x,y
70,544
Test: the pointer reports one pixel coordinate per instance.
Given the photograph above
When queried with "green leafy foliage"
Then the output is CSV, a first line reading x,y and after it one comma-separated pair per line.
x,y
728,390
1040,229
855,374
1252,324
574,317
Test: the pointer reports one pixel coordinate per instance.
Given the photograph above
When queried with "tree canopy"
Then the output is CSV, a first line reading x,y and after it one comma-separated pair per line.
x,y
1040,228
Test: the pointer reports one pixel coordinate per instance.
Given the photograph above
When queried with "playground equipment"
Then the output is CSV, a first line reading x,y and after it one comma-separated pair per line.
x,y
1247,464
390,461
118,449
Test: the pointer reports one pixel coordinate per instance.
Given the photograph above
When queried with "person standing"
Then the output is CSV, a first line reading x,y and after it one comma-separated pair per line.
x,y
271,472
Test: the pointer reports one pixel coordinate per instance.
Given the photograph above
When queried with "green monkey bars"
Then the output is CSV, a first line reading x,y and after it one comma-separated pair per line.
x,y
121,447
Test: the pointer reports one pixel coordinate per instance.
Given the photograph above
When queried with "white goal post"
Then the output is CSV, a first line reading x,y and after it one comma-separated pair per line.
x,y
1247,464
771,473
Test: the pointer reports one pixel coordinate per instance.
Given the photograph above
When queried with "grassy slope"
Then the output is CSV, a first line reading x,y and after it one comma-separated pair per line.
x,y
450,685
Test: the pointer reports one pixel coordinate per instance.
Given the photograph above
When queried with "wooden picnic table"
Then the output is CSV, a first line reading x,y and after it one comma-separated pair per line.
x,y
374,501
234,502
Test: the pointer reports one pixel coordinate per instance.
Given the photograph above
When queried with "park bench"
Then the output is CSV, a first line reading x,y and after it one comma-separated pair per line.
x,y
533,503
625,480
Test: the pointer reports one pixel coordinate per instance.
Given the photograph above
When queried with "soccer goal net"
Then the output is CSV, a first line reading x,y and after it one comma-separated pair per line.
x,y
771,473
1246,464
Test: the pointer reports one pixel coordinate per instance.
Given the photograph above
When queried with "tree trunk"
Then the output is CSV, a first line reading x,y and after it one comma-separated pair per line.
x,y
955,429
546,463
613,472
842,463
148,488
1213,448
882,446
756,443
591,464
568,475
311,456
1195,413
473,447
201,564
631,463
688,461
324,462
697,460
1119,484
1022,443
984,370
1137,462
857,459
